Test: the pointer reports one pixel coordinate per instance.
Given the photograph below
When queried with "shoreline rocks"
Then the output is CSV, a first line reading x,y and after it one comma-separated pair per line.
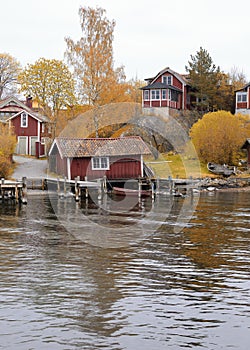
x,y
225,183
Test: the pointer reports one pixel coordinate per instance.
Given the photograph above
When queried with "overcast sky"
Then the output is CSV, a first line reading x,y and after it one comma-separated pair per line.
x,y
149,35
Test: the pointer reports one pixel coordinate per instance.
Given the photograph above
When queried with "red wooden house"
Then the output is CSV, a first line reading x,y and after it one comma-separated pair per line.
x,y
117,158
167,89
242,102
247,147
32,129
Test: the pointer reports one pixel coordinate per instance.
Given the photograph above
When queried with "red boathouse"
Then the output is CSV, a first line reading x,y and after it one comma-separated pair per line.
x,y
116,158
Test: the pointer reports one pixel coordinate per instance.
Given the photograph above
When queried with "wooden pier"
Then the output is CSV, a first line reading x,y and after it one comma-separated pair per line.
x,y
13,190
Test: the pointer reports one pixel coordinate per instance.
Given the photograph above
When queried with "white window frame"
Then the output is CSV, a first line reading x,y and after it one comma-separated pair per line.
x,y
240,96
97,163
167,79
155,95
24,116
164,94
146,95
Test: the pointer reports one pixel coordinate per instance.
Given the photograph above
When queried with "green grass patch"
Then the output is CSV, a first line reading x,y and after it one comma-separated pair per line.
x,y
177,166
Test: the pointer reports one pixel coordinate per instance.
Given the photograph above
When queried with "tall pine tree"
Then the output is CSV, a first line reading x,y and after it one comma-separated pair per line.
x,y
204,79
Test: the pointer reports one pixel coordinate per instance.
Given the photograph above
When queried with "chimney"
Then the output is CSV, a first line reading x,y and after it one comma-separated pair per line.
x,y
29,101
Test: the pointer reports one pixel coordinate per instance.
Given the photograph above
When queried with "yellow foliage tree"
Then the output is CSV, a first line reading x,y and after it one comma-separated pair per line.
x,y
98,82
219,135
51,83
7,146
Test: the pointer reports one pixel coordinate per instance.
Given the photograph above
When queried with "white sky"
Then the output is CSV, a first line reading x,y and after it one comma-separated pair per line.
x,y
149,35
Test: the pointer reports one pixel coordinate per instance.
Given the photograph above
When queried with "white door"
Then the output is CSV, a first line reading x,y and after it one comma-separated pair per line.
x,y
22,145
33,140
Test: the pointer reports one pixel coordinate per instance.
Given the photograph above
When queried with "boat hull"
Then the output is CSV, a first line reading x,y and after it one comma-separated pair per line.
x,y
129,192
218,169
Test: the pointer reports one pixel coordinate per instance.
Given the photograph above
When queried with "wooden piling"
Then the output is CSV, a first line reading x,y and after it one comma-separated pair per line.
x,y
99,189
86,189
105,184
24,191
139,188
77,189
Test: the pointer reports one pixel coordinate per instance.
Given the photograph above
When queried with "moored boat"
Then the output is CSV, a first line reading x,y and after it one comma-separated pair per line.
x,y
130,192
219,169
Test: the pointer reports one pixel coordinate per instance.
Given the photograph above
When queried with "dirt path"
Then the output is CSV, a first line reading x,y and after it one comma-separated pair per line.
x,y
29,167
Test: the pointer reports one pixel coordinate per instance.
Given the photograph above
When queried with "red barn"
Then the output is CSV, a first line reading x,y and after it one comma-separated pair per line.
x,y
167,89
31,128
243,100
117,158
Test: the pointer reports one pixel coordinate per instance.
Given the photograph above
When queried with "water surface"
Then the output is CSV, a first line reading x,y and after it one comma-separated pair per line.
x,y
135,285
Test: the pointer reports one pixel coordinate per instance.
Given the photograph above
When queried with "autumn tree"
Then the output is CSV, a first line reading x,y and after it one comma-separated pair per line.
x,y
203,75
9,69
51,83
237,78
91,57
219,135
7,147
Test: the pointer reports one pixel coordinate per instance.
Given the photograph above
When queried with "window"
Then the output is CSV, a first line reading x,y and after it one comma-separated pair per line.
x,y
164,94
167,79
146,94
43,128
24,120
155,94
100,163
173,95
242,97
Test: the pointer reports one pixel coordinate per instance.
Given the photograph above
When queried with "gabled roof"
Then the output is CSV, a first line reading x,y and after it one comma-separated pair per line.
x,y
158,85
32,114
180,77
99,147
12,100
244,88
13,105
246,144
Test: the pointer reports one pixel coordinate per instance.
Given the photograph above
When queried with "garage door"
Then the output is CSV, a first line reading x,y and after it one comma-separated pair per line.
x,y
22,145
33,140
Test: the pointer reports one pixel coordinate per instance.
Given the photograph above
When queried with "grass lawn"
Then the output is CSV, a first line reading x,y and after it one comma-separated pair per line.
x,y
177,166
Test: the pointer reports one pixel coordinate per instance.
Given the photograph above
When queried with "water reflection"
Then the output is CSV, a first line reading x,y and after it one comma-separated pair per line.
x,y
165,290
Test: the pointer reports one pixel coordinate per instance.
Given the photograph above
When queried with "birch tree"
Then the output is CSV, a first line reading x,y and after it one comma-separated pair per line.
x,y
92,57
9,69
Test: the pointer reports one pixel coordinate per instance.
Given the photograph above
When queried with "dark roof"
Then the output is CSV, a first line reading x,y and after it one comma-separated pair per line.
x,y
182,77
246,144
123,146
12,105
244,88
158,85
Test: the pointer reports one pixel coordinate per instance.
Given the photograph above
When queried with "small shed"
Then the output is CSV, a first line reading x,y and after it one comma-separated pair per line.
x,y
116,158
247,147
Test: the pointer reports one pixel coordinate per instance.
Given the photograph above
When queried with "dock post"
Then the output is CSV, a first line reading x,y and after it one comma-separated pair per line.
x,y
170,184
64,186
139,187
76,189
2,191
99,189
58,186
153,190
86,188
157,185
16,193
105,184
24,191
